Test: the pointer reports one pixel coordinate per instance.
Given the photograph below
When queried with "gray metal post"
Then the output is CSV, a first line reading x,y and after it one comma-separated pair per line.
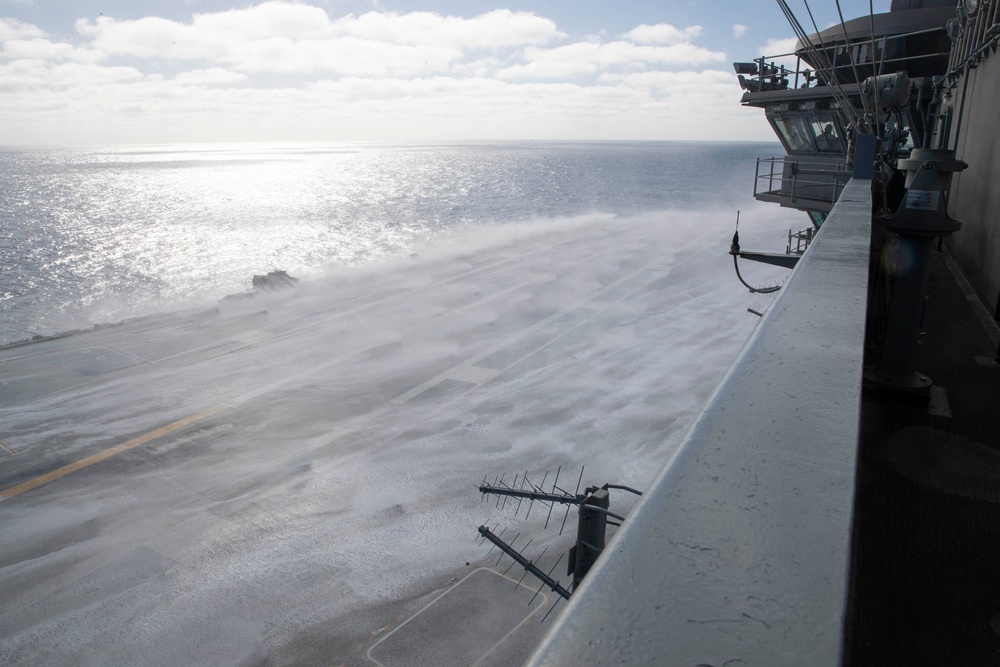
x,y
921,218
590,534
902,329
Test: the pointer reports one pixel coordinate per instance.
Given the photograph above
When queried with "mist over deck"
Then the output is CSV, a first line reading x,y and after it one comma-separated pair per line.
x,y
290,477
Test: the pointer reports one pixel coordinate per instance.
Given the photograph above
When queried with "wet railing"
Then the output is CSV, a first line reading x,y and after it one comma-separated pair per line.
x,y
794,181
973,36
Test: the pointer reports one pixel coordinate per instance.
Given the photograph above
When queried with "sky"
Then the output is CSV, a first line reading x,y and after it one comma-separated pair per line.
x,y
166,71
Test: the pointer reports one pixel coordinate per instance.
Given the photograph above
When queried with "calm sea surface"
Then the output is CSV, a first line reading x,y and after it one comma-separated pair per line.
x,y
95,235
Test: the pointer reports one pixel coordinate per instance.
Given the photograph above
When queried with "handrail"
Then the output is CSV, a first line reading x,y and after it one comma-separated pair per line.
x,y
771,76
793,180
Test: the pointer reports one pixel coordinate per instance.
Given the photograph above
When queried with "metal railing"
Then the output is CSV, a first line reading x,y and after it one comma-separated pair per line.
x,y
973,37
767,73
798,242
798,180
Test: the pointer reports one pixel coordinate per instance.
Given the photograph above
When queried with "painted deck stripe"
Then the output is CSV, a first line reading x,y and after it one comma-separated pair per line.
x,y
110,451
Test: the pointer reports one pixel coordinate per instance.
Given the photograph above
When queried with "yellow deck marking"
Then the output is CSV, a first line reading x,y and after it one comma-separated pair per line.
x,y
109,452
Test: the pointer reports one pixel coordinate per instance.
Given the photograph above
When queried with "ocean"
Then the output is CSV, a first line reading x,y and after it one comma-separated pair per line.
x,y
93,236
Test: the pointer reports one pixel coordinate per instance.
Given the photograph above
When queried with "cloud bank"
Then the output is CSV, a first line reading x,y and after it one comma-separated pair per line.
x,y
291,71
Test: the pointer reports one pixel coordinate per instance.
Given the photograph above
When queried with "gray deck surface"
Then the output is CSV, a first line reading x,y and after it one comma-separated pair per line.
x,y
286,479
481,620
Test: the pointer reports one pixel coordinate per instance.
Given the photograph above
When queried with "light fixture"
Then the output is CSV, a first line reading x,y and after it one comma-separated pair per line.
x,y
952,28
971,6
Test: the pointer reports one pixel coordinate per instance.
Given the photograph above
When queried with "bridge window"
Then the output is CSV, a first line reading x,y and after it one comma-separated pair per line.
x,y
827,137
794,134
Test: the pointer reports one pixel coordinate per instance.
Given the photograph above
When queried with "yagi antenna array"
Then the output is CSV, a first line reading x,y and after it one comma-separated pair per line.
x,y
594,516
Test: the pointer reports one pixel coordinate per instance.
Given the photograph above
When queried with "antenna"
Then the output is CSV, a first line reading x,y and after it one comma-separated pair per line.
x,y
554,487
591,532
528,565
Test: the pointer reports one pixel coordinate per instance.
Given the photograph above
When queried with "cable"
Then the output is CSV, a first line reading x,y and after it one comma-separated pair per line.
x,y
839,93
871,23
822,63
854,67
753,290
734,250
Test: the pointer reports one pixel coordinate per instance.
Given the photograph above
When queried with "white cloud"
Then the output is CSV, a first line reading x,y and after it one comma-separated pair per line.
x,y
739,29
714,92
27,75
21,76
776,47
43,49
88,75
673,81
263,21
14,29
215,76
285,37
774,50
584,58
348,56
287,70
662,33
480,67
492,30
152,37
630,106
